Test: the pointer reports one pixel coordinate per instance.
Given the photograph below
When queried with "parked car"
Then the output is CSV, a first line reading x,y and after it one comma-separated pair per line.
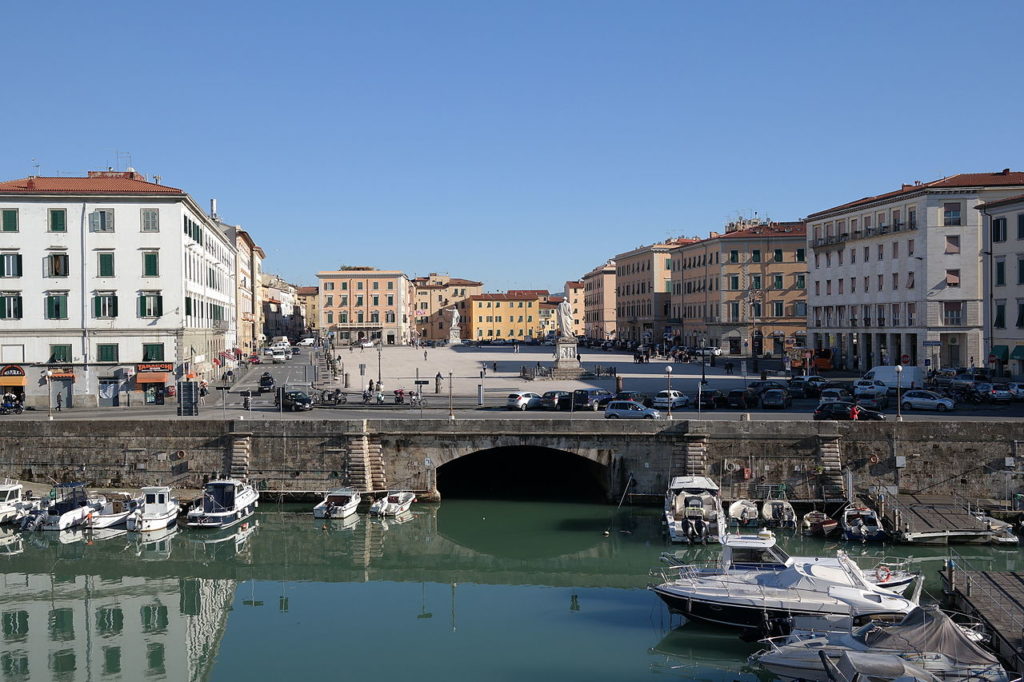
x,y
671,399
835,395
523,401
643,399
308,341
1000,393
869,388
296,401
800,387
741,399
925,400
842,412
962,382
590,398
776,398
1016,390
279,357
629,409
266,382
556,400
943,378
710,399
254,359
759,387
710,350
873,402
295,350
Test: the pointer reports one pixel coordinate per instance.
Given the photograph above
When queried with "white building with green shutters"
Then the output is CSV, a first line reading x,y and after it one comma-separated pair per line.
x,y
111,289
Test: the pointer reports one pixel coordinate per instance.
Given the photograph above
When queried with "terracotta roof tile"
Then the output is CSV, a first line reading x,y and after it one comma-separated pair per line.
x,y
1004,178
307,291
1001,202
503,297
113,183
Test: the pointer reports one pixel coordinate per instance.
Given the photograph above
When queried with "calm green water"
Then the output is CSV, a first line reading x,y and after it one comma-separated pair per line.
x,y
465,590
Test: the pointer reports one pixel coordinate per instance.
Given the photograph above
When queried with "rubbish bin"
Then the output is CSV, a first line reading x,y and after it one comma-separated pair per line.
x,y
618,384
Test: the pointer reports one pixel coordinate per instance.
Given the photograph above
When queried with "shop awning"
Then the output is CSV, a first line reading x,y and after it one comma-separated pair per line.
x,y
151,378
62,375
1001,353
1018,353
12,381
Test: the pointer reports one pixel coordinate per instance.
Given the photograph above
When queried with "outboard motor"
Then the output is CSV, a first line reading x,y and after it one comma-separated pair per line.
x,y
686,527
700,530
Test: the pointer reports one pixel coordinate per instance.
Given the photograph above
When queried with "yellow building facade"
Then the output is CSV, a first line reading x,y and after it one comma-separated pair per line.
x,y
509,317
433,296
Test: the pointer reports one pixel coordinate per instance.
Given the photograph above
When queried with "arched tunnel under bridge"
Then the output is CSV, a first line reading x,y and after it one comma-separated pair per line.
x,y
524,473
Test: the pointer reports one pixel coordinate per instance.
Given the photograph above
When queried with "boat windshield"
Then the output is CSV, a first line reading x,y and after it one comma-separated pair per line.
x,y
759,556
219,498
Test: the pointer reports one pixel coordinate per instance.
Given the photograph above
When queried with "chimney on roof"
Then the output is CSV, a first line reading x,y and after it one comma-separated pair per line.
x,y
213,208
1006,171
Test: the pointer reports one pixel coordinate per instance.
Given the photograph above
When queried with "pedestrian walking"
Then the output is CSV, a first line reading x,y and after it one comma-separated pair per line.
x,y
424,356
370,387
59,400
579,359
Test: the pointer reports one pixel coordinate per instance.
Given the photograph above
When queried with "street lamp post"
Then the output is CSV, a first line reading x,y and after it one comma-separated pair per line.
x,y
380,348
703,359
899,407
668,381
451,408
49,395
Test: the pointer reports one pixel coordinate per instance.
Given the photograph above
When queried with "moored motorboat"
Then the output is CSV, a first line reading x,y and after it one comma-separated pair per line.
x,y
818,524
926,638
112,510
778,513
224,503
14,502
1001,532
744,513
693,510
861,523
159,510
337,504
394,503
831,591
69,507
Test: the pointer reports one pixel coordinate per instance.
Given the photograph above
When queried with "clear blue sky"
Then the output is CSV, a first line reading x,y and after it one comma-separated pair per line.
x,y
518,143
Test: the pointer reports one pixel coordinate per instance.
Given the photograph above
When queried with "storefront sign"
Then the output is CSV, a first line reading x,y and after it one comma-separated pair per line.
x,y
154,367
12,371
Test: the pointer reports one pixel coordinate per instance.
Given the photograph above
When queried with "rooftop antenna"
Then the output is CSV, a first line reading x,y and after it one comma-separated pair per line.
x,y
35,167
123,156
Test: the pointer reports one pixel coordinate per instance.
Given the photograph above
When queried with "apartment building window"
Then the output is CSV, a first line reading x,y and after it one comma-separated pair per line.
x,y
328,286
881,218
344,301
828,287
801,281
952,278
881,282
376,299
776,281
1020,269
329,301
1000,317
101,220
1000,272
881,251
734,312
389,317
151,304
152,352
853,285
57,265
104,305
755,282
359,285
839,283
867,254
896,224
359,300
895,281
911,310
375,317
330,317
778,308
828,260
10,305
853,256
952,243
376,285
880,310
801,255
150,264
952,313
359,317
59,353
1020,314
910,247
734,256
57,220
105,264
10,265
9,219
910,280
867,221
777,255
999,229
951,213
106,352
734,282
755,309
57,305
755,256
343,317
817,287
895,249
391,286
867,284
817,260
150,220
912,218
839,257
1020,226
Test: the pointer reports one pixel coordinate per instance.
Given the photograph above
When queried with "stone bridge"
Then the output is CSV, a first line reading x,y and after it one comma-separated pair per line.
x,y
965,458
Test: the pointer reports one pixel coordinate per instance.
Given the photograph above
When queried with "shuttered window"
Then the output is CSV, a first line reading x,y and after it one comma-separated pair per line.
x,y
152,352
101,220
10,265
60,353
57,306
150,220
151,305
58,220
106,264
151,264
106,352
9,219
104,305
10,306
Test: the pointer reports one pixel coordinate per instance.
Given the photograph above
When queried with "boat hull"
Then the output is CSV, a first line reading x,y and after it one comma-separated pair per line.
x,y
148,524
220,519
732,615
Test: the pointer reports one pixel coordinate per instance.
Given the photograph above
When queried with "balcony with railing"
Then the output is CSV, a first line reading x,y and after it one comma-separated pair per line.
x,y
865,233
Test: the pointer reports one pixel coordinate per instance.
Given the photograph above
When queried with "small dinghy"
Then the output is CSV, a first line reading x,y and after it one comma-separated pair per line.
x,y
394,503
861,523
112,510
744,513
818,524
338,504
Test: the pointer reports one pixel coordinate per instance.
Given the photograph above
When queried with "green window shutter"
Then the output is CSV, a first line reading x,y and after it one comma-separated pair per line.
x,y
106,265
97,306
94,221
159,306
58,220
150,265
3,267
3,308
17,266
113,306
10,220
50,308
142,306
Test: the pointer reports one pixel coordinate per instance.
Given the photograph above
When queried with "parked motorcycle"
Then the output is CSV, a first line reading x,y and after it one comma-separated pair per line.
x,y
11,408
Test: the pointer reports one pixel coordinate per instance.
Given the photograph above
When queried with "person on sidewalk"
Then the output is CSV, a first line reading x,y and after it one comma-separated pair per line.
x,y
59,402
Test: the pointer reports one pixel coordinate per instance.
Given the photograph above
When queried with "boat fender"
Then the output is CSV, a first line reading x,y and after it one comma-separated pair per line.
x,y
883,573
873,459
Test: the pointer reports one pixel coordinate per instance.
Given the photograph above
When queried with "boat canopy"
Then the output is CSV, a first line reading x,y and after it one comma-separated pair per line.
x,y
926,628
860,665
692,484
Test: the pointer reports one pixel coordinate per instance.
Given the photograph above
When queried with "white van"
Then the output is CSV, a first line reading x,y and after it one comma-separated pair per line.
x,y
911,377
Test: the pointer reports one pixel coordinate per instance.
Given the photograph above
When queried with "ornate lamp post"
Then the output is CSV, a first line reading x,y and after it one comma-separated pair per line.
x,y
899,384
49,394
668,381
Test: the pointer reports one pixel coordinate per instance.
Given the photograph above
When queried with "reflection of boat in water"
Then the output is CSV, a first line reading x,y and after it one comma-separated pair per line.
x,y
233,539
11,542
700,652
397,520
102,534
346,523
337,504
693,510
155,545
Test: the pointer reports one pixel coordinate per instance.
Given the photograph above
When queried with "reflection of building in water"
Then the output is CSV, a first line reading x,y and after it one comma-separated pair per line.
x,y
92,627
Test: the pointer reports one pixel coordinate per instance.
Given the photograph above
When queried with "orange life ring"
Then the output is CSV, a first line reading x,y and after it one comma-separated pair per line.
x,y
883,574
873,459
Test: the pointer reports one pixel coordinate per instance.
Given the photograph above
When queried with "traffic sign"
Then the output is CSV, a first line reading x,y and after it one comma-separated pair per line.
x,y
904,358
421,382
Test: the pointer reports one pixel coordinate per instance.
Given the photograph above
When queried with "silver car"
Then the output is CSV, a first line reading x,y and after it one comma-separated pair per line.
x,y
925,400
523,401
627,409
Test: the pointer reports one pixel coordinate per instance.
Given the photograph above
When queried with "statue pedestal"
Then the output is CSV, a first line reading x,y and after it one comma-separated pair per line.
x,y
453,338
566,364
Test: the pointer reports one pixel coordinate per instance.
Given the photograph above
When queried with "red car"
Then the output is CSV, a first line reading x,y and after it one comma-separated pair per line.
x,y
254,359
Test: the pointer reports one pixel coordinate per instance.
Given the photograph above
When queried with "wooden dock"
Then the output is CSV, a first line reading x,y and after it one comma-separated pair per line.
x,y
931,520
996,598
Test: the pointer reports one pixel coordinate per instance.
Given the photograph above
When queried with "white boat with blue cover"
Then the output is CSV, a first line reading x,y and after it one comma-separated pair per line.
x,y
225,503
